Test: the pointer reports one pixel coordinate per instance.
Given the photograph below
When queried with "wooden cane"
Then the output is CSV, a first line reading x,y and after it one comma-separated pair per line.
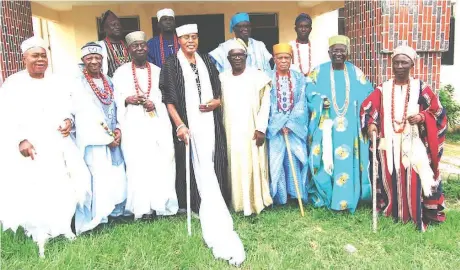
x,y
291,162
187,181
374,180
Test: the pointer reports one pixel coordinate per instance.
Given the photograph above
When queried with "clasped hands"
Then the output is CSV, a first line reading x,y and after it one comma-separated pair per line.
x,y
140,100
413,120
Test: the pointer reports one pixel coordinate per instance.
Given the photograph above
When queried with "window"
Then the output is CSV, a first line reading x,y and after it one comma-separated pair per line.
x,y
341,21
129,24
447,57
265,28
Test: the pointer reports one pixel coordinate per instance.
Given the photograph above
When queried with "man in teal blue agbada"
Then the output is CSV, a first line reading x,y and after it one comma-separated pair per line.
x,y
338,152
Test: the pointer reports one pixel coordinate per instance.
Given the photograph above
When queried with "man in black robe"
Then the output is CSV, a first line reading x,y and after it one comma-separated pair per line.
x,y
173,87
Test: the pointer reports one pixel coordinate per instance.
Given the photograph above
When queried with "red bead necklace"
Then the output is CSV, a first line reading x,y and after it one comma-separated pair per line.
x,y
406,104
108,91
278,92
136,82
162,52
300,60
115,56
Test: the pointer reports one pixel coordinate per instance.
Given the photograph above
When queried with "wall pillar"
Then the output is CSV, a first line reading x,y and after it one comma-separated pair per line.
x,y
377,27
16,26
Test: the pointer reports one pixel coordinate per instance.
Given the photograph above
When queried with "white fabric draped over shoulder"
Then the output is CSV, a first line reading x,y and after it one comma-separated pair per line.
x,y
216,221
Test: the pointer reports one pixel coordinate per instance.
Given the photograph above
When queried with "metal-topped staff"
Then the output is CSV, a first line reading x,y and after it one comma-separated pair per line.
x,y
374,181
187,182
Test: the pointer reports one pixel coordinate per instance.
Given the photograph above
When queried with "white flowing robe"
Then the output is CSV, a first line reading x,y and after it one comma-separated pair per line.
x,y
216,221
147,145
108,179
246,106
40,195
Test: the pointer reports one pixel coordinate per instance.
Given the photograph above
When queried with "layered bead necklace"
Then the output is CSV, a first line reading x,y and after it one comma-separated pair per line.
x,y
162,52
406,104
278,92
340,112
297,44
149,84
115,56
105,97
136,82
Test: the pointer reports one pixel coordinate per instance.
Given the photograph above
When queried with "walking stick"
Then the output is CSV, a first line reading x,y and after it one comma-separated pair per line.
x,y
187,181
296,183
374,180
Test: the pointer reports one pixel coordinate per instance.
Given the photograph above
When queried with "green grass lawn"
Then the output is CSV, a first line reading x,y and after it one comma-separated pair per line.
x,y
277,239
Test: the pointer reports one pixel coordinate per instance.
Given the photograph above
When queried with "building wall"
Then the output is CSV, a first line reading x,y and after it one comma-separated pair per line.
x,y
16,26
72,29
423,25
84,17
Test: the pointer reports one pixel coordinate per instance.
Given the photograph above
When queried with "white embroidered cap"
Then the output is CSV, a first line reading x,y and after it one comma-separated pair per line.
x,y
187,29
33,42
165,12
91,48
406,50
134,36
237,43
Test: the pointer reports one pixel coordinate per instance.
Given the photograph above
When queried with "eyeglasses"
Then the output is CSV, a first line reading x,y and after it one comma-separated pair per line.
x,y
237,56
188,37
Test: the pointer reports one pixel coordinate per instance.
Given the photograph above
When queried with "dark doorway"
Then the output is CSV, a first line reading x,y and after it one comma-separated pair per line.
x,y
211,29
265,28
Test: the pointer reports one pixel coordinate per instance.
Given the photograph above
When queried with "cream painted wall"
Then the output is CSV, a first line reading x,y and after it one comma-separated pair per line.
x,y
320,35
86,30
72,29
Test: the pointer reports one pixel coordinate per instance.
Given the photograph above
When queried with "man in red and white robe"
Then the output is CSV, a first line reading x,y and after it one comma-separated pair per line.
x,y
411,125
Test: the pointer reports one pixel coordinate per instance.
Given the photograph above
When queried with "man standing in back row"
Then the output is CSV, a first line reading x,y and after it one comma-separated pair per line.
x,y
257,56
114,50
166,43
301,47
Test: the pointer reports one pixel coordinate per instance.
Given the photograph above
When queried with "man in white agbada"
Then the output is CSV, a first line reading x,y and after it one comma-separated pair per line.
x,y
194,88
98,138
257,54
147,134
246,106
40,189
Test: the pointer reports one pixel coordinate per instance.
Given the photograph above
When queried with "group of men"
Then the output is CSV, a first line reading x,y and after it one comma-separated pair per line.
x,y
115,144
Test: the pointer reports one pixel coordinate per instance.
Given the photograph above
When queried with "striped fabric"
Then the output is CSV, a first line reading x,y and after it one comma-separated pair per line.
x,y
399,195
173,90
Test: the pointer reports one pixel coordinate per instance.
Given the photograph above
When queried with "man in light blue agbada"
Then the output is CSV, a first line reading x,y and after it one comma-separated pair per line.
x,y
287,117
98,138
338,153
258,55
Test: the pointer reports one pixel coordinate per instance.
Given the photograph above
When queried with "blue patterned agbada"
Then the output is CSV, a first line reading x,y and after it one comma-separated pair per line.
x,y
349,181
282,181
